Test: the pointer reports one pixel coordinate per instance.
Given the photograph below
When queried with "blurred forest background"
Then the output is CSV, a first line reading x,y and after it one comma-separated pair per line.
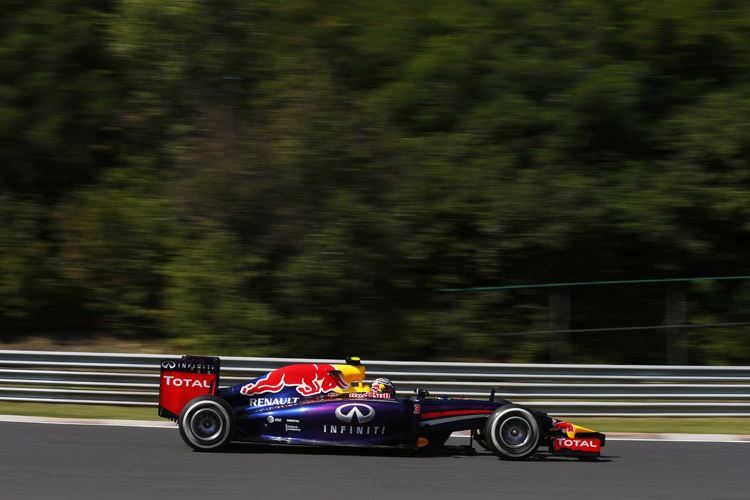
x,y
300,177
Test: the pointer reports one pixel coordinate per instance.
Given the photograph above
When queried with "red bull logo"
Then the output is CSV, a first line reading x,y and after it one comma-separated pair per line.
x,y
562,426
307,379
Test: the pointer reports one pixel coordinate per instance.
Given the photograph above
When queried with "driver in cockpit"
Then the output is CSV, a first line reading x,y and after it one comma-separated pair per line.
x,y
383,385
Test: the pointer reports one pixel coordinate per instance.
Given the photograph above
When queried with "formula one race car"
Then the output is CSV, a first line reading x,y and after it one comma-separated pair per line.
x,y
328,404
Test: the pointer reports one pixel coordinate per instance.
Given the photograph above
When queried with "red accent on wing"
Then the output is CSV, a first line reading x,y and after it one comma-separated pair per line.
x,y
177,388
454,412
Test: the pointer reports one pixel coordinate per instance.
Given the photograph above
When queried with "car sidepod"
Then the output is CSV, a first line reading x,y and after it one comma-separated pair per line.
x,y
340,421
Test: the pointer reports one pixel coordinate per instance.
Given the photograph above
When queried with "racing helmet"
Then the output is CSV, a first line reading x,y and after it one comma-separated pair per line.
x,y
383,385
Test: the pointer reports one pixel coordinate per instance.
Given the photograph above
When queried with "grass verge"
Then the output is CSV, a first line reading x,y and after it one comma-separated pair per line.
x,y
723,425
730,425
78,411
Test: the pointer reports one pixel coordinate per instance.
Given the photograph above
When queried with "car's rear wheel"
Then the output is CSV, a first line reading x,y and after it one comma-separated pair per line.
x,y
207,423
512,433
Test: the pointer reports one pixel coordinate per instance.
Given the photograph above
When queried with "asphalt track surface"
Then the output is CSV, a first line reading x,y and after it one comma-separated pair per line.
x,y
48,461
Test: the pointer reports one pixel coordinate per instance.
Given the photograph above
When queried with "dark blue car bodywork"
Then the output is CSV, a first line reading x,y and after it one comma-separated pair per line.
x,y
283,406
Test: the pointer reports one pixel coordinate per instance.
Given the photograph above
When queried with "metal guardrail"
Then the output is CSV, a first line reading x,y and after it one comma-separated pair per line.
x,y
564,390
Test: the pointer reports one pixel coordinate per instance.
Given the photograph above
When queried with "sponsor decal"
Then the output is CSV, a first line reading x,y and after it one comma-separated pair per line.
x,y
362,412
559,425
189,366
291,428
578,444
172,380
272,401
270,419
370,395
358,430
177,387
309,380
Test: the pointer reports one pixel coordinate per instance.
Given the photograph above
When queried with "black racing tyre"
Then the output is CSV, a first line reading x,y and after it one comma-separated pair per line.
x,y
512,433
480,439
207,423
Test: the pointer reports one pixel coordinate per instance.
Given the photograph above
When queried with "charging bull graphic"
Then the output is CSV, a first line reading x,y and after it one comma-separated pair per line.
x,y
307,379
559,425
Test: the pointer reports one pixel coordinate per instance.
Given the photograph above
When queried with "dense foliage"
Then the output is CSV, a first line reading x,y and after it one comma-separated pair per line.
x,y
298,177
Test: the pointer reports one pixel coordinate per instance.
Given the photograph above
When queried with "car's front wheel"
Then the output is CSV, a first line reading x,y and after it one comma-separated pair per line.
x,y
512,433
207,423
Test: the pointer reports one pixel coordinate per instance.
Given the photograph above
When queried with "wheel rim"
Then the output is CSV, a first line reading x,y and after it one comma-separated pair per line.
x,y
515,432
206,424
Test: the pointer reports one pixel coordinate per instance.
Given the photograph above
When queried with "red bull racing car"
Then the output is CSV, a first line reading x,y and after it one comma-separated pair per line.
x,y
328,404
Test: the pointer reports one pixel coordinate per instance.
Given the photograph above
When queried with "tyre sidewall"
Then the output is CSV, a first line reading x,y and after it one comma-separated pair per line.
x,y
494,425
215,407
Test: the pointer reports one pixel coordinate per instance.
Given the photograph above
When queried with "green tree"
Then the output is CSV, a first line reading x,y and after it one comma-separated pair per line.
x,y
57,95
114,238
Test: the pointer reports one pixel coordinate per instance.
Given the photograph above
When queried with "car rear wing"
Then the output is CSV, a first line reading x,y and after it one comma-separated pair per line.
x,y
183,379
